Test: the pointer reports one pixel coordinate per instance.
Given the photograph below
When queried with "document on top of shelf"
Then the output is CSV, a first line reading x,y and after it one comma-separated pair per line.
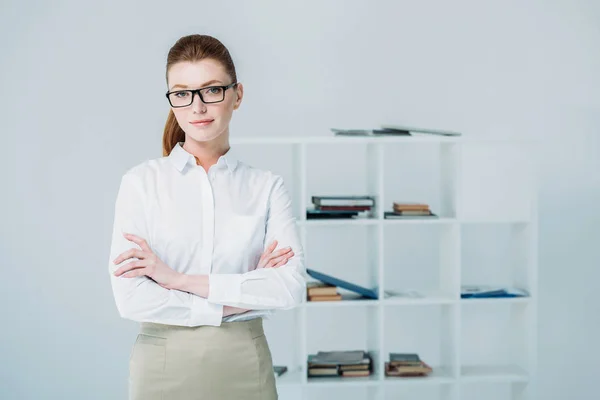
x,y
368,132
418,131
485,291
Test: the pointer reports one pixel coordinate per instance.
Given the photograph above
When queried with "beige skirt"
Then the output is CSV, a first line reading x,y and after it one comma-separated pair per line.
x,y
231,361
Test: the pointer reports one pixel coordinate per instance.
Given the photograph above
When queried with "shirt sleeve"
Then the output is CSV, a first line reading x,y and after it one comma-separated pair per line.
x,y
268,288
141,298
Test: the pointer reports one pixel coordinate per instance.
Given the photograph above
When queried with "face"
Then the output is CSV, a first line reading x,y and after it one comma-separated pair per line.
x,y
204,122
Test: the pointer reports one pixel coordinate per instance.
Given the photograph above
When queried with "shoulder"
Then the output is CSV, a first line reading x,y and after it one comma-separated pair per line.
x,y
260,176
146,171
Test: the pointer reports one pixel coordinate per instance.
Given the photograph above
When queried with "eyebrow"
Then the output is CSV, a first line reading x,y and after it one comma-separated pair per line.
x,y
203,85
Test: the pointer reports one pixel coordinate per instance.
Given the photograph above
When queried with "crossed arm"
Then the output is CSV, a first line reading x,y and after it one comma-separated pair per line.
x,y
146,289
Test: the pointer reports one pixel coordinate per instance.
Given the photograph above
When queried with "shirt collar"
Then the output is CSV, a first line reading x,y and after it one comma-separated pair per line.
x,y
180,158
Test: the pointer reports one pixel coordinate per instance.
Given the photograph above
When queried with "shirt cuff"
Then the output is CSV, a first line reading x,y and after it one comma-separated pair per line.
x,y
224,288
205,313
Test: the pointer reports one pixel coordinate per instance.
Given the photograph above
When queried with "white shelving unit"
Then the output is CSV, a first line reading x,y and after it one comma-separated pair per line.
x,y
484,192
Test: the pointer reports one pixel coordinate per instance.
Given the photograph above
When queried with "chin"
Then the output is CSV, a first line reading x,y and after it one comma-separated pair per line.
x,y
204,136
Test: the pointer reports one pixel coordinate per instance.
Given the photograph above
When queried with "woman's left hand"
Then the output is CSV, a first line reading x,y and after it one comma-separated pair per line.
x,y
148,264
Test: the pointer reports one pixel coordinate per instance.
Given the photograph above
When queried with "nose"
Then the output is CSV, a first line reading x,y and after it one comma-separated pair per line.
x,y
197,105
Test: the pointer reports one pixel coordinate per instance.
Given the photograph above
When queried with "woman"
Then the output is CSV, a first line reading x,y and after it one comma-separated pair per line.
x,y
195,254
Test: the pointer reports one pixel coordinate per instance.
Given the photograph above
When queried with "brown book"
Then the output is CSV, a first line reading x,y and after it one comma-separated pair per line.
x,y
325,298
413,212
354,367
333,371
421,370
356,373
322,291
410,206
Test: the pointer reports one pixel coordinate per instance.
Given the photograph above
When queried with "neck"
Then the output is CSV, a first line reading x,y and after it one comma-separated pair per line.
x,y
207,153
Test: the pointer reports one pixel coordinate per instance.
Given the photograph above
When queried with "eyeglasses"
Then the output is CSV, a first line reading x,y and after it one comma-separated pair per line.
x,y
208,95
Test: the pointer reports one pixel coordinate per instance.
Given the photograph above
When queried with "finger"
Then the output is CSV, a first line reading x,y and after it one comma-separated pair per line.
x,y
134,273
269,249
282,262
281,252
273,245
129,254
139,241
276,260
130,266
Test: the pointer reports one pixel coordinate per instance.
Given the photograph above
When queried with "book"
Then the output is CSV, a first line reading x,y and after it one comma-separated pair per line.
x,y
410,206
418,370
320,289
364,372
321,371
485,291
319,214
394,215
404,359
416,131
368,293
335,297
368,132
339,357
351,200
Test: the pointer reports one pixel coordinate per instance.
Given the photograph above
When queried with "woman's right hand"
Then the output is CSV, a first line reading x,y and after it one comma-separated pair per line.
x,y
268,259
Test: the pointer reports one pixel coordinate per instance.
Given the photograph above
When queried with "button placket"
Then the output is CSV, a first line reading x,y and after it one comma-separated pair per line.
x,y
208,222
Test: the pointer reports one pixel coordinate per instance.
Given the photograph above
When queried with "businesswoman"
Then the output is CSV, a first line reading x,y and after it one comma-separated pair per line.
x,y
203,245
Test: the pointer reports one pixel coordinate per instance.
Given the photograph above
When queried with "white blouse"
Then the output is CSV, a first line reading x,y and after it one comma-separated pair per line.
x,y
217,224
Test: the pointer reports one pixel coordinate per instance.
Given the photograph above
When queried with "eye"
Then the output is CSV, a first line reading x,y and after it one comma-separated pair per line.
x,y
181,95
213,90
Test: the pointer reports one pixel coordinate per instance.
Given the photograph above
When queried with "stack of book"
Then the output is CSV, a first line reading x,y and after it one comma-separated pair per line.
x,y
319,291
409,210
340,363
406,364
340,207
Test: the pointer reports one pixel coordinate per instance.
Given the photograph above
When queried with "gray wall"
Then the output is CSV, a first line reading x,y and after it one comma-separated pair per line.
x,y
83,101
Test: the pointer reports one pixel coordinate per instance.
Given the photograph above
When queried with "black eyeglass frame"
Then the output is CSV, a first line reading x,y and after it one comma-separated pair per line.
x,y
200,94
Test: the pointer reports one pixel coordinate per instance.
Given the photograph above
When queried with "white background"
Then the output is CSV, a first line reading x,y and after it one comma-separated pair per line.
x,y
83,101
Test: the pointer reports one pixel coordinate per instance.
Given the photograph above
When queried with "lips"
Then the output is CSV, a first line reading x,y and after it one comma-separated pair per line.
x,y
201,122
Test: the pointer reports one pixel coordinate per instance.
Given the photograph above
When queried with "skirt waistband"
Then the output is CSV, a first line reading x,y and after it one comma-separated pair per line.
x,y
253,326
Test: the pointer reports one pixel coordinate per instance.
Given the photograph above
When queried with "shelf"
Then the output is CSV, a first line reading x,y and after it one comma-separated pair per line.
x,y
341,303
371,380
493,220
441,220
438,376
497,300
374,221
338,222
485,233
343,139
428,298
493,373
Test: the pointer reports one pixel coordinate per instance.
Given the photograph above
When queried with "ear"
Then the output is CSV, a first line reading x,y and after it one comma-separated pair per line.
x,y
239,91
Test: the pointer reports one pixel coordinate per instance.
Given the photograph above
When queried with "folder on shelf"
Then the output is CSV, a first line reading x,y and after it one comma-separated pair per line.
x,y
369,293
485,291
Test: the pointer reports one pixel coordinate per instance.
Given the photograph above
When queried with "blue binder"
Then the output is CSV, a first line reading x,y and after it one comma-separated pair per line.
x,y
369,293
